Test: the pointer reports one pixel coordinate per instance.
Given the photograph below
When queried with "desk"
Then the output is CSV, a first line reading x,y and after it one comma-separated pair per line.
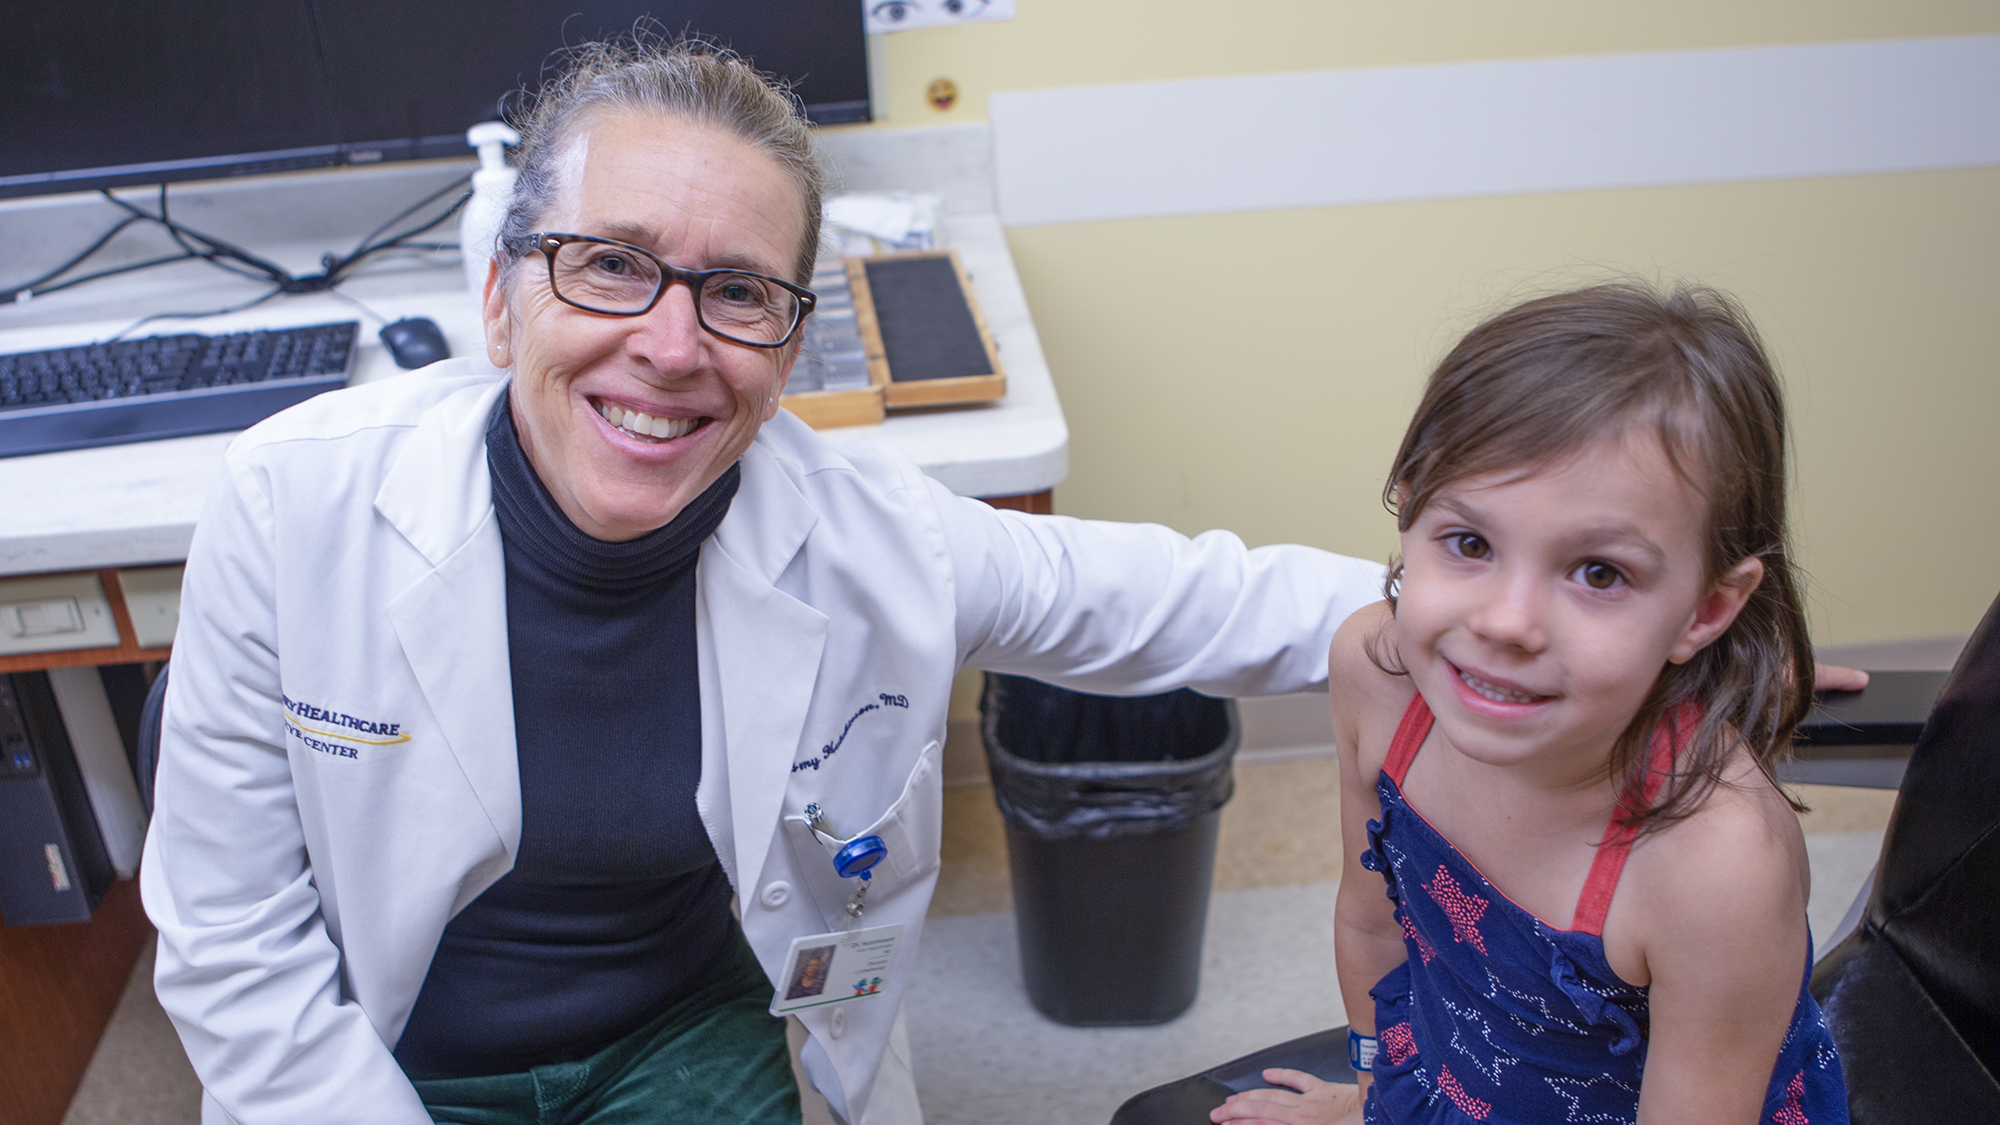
x,y
130,505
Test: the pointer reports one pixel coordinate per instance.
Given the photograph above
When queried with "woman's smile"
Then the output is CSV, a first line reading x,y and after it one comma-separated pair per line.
x,y
644,426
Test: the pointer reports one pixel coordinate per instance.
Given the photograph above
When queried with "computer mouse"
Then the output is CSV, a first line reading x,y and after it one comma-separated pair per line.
x,y
415,341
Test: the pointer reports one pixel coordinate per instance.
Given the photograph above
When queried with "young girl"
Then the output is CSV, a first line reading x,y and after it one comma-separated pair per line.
x,y
1557,739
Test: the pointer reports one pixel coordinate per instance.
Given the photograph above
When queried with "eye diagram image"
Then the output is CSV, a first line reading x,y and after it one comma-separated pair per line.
x,y
903,15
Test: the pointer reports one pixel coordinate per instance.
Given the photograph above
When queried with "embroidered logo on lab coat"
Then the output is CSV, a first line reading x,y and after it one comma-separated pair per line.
x,y
336,733
827,752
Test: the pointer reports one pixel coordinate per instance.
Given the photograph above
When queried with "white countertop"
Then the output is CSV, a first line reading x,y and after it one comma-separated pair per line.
x,y
127,505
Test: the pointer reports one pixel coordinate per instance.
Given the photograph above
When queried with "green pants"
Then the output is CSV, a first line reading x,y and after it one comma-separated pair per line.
x,y
717,1056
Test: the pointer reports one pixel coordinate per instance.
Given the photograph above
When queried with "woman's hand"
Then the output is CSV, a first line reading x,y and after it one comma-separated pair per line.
x,y
1316,1102
1834,677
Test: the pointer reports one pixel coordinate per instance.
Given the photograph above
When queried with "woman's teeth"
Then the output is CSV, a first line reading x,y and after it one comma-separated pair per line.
x,y
1495,692
645,425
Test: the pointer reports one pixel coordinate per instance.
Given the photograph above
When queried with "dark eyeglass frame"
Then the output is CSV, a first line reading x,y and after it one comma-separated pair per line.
x,y
552,242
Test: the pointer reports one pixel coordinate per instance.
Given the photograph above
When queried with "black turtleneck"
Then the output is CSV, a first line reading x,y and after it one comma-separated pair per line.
x,y
616,903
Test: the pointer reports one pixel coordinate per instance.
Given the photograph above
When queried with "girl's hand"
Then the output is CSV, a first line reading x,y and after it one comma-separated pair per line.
x,y
1835,677
1317,1102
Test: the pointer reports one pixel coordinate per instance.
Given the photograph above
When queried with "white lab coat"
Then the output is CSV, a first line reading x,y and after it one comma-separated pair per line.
x,y
337,774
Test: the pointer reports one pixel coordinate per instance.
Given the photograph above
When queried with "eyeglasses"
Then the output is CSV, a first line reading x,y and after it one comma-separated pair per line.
x,y
602,275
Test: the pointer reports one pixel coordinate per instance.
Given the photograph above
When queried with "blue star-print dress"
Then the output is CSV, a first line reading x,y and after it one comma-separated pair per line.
x,y
1500,1017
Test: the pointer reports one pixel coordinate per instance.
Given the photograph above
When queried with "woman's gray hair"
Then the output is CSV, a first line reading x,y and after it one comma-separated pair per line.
x,y
689,79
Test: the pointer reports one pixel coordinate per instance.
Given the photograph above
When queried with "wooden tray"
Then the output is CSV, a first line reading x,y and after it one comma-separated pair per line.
x,y
924,331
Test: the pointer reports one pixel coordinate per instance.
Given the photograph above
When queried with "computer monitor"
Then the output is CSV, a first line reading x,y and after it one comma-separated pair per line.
x,y
100,94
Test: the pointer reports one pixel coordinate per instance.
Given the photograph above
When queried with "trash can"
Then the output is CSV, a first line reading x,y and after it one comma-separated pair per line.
x,y
1111,807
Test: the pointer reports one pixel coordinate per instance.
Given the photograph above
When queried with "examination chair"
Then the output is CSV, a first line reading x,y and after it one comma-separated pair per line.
x,y
1910,981
1913,993
1187,1101
146,762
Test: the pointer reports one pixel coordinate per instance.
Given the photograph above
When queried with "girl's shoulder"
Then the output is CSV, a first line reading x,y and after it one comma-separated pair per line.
x,y
1734,867
1369,694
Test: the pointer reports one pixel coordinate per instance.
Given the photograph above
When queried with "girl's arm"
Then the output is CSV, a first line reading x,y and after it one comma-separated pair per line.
x,y
1367,943
1721,906
1366,940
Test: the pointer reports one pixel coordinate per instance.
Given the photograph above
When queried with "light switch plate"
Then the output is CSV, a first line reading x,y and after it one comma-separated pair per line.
x,y
37,614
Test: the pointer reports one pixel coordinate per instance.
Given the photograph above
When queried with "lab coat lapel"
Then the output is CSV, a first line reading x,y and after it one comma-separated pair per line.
x,y
764,648
452,622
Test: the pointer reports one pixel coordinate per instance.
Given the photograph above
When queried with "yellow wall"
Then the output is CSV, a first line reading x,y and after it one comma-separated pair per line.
x,y
1875,292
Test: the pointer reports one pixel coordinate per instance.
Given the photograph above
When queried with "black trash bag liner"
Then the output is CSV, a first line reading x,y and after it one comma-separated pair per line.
x,y
1066,764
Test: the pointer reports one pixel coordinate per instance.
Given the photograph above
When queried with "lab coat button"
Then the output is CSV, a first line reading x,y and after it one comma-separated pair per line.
x,y
839,1021
777,893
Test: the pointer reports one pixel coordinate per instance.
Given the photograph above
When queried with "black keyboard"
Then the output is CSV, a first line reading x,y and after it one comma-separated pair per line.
x,y
165,386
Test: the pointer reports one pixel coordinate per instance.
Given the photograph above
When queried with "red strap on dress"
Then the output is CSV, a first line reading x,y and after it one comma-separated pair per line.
x,y
1609,863
1598,886
1410,735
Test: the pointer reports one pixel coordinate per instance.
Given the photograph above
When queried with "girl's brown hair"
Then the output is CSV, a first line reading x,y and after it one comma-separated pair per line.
x,y
1542,380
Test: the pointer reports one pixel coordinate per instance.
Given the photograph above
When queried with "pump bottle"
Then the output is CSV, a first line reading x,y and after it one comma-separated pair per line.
x,y
492,191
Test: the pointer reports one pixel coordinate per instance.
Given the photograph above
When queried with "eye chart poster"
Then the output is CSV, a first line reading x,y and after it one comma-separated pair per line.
x,y
902,15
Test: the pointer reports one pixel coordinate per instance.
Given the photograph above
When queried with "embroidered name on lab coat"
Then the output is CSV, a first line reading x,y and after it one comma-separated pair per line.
x,y
827,752
337,733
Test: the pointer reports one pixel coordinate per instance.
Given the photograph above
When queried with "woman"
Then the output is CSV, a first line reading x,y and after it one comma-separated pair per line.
x,y
491,692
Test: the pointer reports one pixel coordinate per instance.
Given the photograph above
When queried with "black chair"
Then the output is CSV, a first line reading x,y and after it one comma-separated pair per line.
x,y
1911,982
1913,993
1322,1054
147,760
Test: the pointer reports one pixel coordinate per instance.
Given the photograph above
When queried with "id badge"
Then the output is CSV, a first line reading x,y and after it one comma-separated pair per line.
x,y
835,968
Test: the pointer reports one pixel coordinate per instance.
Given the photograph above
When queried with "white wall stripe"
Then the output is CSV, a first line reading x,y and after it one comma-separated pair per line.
x,y
1321,139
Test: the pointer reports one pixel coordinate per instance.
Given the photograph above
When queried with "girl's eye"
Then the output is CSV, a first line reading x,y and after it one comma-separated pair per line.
x,y
1469,546
1599,575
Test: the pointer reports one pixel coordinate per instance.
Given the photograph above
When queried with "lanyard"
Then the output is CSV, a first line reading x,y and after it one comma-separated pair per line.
x,y
852,860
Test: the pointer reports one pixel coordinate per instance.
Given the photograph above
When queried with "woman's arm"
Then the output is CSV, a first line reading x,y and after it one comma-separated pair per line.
x,y
1720,907
247,970
1126,608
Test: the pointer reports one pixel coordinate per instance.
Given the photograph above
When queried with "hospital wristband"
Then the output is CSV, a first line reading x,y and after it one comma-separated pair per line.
x,y
1360,1051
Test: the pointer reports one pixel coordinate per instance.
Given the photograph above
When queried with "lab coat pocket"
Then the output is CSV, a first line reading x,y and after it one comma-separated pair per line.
x,y
911,832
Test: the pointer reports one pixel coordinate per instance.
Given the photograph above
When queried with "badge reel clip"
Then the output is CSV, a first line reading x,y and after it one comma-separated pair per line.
x,y
853,860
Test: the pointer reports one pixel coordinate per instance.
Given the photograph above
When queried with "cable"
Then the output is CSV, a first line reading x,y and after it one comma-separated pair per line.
x,y
145,265
338,295
31,288
225,256
337,268
253,302
217,246
363,246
